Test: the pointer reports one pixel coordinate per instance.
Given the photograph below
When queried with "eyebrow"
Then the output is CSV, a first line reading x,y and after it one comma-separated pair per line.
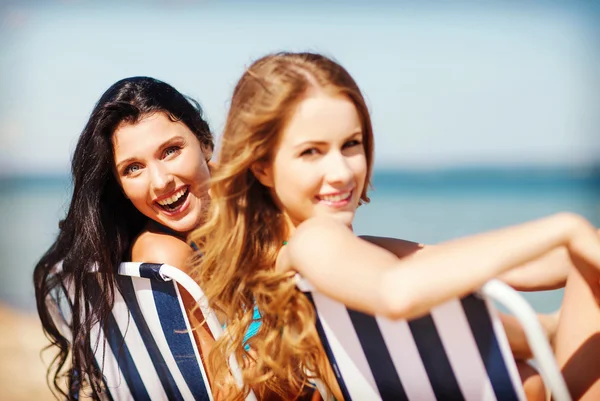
x,y
173,139
124,163
306,143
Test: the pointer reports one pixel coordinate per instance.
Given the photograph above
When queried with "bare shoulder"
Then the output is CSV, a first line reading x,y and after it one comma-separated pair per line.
x,y
312,238
399,247
155,247
315,230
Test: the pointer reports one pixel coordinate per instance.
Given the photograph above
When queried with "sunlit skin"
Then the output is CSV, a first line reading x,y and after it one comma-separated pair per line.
x,y
319,167
159,161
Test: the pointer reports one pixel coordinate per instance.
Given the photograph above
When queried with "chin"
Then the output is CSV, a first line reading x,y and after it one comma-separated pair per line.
x,y
344,218
182,227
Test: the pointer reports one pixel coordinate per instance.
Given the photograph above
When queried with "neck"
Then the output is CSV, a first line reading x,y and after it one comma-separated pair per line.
x,y
291,226
163,228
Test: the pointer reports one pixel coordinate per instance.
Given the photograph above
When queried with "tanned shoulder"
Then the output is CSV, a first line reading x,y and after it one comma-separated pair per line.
x,y
153,247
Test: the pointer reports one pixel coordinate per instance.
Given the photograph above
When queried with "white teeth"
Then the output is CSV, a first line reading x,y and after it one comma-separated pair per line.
x,y
336,198
173,198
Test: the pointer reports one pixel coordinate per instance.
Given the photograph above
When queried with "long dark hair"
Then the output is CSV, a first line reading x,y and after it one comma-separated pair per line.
x,y
100,224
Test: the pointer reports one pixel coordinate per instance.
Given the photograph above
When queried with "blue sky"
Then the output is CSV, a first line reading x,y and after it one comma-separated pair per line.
x,y
447,86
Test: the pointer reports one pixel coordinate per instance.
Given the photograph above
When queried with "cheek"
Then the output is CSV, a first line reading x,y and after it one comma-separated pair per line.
x,y
200,176
297,186
295,183
193,167
359,167
136,192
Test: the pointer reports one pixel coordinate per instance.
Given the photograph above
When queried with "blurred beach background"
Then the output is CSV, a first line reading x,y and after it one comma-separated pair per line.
x,y
485,115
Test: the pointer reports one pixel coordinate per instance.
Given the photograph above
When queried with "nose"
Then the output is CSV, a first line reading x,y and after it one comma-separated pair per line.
x,y
160,178
338,169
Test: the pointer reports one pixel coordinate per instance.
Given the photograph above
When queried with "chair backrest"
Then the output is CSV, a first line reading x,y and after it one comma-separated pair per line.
x,y
146,349
459,351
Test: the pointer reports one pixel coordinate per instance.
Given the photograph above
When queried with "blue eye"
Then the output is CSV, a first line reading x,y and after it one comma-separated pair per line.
x,y
132,168
352,143
309,152
172,150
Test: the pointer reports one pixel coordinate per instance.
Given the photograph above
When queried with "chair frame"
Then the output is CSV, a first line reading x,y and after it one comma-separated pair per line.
x,y
493,290
162,273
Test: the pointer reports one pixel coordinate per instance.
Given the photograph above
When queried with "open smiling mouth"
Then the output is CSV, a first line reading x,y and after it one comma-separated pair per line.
x,y
174,203
336,200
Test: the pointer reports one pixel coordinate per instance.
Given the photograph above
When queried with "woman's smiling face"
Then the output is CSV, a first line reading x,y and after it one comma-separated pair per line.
x,y
163,170
319,166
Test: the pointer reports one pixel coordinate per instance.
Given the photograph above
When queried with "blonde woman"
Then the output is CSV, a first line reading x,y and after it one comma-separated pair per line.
x,y
295,163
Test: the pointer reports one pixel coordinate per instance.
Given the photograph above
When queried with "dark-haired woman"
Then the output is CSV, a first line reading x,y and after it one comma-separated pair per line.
x,y
140,185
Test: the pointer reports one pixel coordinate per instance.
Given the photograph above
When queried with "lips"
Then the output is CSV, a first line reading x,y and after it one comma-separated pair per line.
x,y
174,202
337,199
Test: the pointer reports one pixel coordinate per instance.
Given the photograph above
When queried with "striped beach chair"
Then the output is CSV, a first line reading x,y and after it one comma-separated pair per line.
x,y
146,350
459,351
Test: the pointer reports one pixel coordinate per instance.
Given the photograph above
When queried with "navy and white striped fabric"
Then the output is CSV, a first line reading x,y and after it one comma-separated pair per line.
x,y
146,350
457,352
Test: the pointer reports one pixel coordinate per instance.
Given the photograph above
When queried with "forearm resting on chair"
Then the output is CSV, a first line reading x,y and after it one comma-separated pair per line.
x,y
548,272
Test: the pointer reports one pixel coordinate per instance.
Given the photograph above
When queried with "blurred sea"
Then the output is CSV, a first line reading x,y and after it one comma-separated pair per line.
x,y
427,207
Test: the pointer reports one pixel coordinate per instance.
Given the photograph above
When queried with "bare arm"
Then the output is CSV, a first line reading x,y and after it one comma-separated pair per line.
x,y
547,272
366,277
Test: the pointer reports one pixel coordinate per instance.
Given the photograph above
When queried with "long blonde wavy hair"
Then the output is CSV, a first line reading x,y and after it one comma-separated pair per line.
x,y
245,230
